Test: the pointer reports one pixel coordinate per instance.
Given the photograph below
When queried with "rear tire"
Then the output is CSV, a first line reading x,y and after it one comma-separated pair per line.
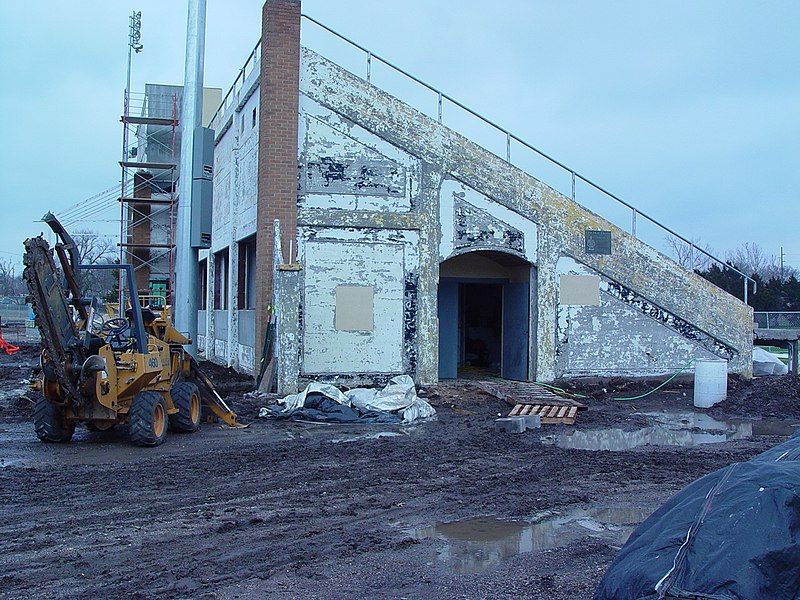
x,y
148,419
186,398
48,422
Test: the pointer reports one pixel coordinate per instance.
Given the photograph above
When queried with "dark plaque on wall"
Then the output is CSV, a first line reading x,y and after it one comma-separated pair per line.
x,y
597,242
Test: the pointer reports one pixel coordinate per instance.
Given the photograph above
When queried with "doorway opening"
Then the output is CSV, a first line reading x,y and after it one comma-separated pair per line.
x,y
481,316
484,316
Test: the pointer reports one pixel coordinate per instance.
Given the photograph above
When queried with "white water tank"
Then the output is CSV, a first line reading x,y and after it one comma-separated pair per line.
x,y
710,381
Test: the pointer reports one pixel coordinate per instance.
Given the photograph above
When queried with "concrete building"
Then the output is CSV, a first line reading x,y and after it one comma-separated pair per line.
x,y
404,247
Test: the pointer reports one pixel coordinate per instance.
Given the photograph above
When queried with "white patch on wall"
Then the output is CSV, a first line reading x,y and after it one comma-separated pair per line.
x,y
501,225
355,308
343,166
579,290
352,258
612,337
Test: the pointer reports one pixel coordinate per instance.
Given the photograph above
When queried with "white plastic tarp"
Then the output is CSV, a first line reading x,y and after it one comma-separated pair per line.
x,y
766,363
400,394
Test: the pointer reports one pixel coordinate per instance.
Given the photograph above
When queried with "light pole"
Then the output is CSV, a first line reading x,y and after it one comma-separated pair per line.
x,y
134,45
186,266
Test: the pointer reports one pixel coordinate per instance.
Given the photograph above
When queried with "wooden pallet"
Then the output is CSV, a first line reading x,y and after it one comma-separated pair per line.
x,y
549,414
524,392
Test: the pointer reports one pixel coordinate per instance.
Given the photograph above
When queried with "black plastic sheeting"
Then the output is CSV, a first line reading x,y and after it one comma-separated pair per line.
x,y
319,407
733,534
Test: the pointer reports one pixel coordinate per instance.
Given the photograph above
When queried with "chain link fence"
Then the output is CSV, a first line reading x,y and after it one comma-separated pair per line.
x,y
777,320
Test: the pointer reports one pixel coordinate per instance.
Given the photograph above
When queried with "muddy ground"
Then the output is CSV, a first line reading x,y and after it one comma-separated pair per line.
x,y
296,510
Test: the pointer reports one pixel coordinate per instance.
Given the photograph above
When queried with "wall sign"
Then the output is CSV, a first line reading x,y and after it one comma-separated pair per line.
x,y
597,242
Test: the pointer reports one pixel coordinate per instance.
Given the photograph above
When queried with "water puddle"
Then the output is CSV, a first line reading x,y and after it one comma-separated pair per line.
x,y
473,545
367,436
684,429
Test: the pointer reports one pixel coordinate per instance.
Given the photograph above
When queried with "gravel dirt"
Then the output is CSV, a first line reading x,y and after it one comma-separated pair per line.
x,y
298,510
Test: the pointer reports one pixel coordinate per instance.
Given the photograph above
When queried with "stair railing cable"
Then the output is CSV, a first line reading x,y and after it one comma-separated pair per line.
x,y
442,96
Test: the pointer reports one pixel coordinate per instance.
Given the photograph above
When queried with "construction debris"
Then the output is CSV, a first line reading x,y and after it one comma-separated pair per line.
x,y
7,347
396,403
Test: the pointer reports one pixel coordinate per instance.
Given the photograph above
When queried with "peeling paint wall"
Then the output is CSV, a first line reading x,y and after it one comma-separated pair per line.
x,y
224,339
386,194
624,334
470,199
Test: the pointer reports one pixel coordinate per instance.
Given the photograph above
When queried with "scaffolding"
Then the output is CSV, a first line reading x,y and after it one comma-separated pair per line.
x,y
147,195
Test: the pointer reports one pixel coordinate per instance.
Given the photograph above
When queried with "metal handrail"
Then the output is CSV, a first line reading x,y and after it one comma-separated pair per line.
x,y
251,61
442,96
635,212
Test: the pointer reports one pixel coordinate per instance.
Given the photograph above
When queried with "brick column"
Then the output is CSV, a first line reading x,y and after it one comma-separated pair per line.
x,y
141,233
277,145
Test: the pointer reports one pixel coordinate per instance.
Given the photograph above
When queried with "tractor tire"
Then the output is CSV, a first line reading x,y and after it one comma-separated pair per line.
x,y
148,419
48,422
186,398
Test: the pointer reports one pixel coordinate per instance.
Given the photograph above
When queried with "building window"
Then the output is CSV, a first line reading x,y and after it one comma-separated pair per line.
x,y
202,288
254,118
221,280
247,274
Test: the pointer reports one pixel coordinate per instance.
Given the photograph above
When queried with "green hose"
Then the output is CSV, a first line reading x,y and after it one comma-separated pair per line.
x,y
558,389
661,385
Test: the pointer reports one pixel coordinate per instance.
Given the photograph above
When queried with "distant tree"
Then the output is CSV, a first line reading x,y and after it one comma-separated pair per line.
x,y
691,256
95,249
11,283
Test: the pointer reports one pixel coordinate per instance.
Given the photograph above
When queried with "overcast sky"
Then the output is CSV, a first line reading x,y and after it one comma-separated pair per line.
x,y
690,110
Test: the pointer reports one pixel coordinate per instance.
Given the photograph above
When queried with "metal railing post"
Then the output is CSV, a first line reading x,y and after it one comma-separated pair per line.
x,y
633,222
508,147
767,320
440,107
745,291
691,257
369,65
573,185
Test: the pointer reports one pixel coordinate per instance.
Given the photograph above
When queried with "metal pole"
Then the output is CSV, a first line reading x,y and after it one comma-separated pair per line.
x,y
186,263
633,222
134,37
369,66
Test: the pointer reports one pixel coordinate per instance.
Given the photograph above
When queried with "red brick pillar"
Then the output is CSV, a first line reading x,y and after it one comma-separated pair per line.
x,y
277,145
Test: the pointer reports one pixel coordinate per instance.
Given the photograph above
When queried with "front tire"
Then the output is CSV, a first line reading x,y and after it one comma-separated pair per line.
x,y
186,398
48,422
148,419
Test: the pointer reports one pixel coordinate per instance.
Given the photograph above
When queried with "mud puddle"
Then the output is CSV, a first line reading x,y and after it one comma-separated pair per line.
x,y
685,429
476,544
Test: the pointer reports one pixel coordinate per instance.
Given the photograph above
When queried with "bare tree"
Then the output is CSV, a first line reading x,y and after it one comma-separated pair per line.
x,y
95,249
691,256
11,283
751,259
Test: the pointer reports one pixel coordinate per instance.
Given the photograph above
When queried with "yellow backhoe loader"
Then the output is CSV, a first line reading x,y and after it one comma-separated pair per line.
x,y
130,369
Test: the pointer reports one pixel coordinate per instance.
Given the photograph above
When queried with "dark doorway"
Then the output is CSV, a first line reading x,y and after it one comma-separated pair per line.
x,y
481,348
484,310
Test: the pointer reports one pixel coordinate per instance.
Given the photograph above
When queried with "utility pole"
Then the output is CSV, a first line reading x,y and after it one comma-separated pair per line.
x,y
186,265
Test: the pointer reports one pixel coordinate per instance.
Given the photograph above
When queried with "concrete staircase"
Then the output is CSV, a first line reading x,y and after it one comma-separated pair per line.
x,y
666,292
